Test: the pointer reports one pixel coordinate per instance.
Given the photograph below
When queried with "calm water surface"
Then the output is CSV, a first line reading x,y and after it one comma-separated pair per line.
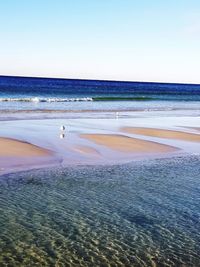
x,y
141,214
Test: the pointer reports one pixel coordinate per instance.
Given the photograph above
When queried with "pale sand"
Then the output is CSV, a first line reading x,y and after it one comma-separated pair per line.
x,y
86,150
127,144
15,148
169,134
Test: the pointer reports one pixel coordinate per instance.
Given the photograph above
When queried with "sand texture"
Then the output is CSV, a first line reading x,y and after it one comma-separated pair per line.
x,y
15,148
169,134
127,144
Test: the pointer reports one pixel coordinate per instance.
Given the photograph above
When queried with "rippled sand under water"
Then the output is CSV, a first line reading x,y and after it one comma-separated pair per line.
x,y
141,214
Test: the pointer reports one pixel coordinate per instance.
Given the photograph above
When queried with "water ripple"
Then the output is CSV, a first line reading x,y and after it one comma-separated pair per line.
x,y
141,214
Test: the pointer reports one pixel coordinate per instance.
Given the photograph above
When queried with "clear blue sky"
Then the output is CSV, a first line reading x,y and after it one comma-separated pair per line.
x,y
101,39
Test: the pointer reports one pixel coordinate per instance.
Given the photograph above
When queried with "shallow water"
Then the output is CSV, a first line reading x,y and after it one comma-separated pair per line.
x,y
139,214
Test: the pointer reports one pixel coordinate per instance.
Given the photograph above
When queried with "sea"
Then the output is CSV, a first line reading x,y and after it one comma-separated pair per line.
x,y
144,213
44,94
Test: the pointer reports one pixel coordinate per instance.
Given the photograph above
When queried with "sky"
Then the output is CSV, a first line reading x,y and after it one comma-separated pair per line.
x,y
133,40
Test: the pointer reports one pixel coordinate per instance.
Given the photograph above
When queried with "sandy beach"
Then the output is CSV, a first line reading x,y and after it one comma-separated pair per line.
x,y
15,148
35,143
127,144
169,134
17,155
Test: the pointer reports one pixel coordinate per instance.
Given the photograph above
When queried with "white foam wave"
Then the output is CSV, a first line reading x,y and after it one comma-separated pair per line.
x,y
49,100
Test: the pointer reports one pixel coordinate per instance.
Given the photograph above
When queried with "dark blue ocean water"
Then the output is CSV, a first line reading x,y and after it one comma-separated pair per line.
x,y
18,86
33,94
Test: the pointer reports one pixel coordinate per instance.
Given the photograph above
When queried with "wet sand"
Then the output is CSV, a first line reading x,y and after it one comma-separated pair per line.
x,y
195,128
17,155
169,134
91,141
127,144
15,148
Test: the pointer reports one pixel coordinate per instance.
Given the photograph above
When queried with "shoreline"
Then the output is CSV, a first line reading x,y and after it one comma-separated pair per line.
x,y
95,141
147,109
109,114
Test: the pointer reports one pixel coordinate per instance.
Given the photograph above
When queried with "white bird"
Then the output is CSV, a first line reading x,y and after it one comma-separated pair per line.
x,y
62,128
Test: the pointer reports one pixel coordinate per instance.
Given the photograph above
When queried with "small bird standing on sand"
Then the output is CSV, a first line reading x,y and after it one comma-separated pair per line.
x,y
62,128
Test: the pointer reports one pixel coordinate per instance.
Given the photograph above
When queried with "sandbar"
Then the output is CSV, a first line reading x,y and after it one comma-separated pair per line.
x,y
161,133
16,148
127,144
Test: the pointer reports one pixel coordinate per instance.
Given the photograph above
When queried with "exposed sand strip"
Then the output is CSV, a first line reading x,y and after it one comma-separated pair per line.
x,y
169,134
127,144
15,148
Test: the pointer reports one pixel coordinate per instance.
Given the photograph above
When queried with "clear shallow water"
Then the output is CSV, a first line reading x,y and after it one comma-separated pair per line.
x,y
16,108
141,214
